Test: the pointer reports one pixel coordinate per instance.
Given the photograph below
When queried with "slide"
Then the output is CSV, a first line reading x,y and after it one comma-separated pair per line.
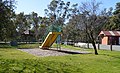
x,y
50,39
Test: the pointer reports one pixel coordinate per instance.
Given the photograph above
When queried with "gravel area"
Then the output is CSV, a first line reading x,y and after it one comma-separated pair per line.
x,y
52,52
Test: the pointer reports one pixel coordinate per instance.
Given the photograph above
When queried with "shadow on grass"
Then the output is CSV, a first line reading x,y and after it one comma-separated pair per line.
x,y
69,51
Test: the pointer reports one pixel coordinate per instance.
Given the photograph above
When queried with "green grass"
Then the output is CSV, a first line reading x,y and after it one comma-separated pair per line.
x,y
20,46
14,54
15,61
5,45
27,46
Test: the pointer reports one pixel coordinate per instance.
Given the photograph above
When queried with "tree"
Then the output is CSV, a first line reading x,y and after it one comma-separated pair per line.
x,y
6,19
73,29
114,19
91,20
57,12
117,10
36,20
23,23
43,27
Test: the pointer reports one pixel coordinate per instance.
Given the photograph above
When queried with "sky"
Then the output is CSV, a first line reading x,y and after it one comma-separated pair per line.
x,y
38,6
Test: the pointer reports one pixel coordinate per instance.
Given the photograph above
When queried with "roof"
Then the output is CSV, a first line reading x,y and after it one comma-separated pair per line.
x,y
110,33
26,32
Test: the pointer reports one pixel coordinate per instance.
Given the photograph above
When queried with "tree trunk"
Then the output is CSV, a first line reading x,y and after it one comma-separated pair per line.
x,y
5,41
93,43
95,49
88,44
98,43
111,44
36,34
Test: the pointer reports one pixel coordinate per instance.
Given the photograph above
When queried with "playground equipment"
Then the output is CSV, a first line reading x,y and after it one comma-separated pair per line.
x,y
53,34
50,39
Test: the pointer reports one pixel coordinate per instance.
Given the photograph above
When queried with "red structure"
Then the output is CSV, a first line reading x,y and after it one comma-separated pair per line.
x,y
110,37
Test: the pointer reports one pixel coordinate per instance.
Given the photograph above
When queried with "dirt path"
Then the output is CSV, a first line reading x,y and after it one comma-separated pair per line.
x,y
52,52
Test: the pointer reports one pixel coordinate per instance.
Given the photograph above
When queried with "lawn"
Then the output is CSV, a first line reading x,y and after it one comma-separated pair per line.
x,y
15,61
20,46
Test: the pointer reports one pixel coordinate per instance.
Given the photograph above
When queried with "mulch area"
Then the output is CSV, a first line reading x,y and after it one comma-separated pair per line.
x,y
52,52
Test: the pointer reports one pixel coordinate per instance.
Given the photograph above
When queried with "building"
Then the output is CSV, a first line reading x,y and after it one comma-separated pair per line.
x,y
110,37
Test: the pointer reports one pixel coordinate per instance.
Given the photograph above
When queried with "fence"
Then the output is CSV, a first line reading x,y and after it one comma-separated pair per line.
x,y
104,47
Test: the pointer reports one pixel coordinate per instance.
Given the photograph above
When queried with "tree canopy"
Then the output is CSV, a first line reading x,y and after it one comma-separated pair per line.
x,y
6,19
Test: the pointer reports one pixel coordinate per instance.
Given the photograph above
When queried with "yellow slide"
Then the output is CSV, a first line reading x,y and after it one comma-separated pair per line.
x,y
50,39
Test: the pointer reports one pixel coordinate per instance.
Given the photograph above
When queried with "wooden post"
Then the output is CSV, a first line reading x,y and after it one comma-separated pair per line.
x,y
98,46
98,42
111,43
88,43
60,41
111,47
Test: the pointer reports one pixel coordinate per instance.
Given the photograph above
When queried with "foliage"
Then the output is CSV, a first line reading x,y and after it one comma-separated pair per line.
x,y
22,23
57,12
114,20
7,14
36,23
87,21
117,10
74,29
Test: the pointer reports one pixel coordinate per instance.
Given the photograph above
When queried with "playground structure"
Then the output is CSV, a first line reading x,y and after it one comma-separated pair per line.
x,y
53,34
50,39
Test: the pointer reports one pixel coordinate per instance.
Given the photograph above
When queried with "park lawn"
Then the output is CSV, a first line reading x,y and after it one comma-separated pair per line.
x,y
28,46
13,53
20,46
15,61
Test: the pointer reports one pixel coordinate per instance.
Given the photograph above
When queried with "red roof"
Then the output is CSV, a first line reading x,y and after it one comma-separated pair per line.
x,y
110,33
